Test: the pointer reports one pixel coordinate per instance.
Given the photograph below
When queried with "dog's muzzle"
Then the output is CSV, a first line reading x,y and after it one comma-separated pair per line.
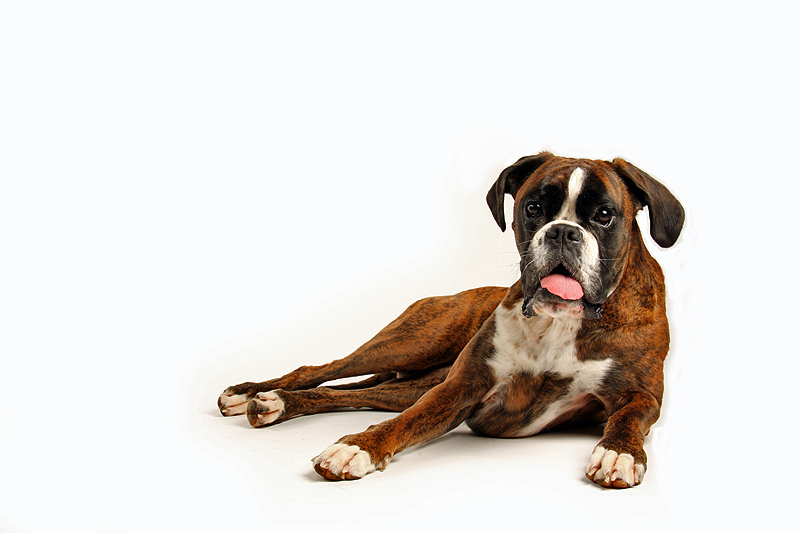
x,y
560,275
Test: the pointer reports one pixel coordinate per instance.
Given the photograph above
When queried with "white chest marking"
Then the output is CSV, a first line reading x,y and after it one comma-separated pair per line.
x,y
544,345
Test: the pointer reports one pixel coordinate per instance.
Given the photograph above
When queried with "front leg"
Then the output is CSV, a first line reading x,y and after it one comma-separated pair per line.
x,y
619,460
438,411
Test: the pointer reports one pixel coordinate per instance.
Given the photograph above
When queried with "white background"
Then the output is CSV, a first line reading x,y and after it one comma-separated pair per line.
x,y
200,193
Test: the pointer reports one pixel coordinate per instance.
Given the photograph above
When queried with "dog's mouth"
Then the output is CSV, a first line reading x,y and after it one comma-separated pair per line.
x,y
560,293
560,282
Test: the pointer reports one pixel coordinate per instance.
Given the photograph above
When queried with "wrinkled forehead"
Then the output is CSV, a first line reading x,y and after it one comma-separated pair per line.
x,y
574,177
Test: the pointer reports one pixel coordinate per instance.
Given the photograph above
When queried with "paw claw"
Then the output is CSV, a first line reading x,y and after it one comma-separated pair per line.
x,y
614,470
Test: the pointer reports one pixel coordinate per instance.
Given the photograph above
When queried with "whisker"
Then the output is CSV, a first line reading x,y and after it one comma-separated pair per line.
x,y
603,263
526,267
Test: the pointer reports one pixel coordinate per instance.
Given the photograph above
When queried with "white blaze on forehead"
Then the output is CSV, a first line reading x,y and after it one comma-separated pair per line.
x,y
576,183
574,188
589,260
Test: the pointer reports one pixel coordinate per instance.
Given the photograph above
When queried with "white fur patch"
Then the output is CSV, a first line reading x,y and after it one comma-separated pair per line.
x,y
539,344
574,188
345,462
533,345
233,404
612,469
271,407
543,344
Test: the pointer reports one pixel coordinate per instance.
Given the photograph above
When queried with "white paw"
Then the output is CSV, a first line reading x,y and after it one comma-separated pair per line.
x,y
265,409
341,461
232,404
611,469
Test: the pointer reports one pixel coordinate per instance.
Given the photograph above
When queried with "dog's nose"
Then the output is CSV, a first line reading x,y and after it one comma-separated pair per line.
x,y
565,233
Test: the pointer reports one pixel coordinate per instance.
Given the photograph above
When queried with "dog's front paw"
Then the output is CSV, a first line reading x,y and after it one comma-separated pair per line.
x,y
341,461
611,469
265,409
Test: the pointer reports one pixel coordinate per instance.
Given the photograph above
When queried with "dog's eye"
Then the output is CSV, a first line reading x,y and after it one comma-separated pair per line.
x,y
533,209
603,216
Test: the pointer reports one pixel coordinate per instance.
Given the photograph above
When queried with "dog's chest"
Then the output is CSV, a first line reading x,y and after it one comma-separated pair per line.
x,y
543,346
540,345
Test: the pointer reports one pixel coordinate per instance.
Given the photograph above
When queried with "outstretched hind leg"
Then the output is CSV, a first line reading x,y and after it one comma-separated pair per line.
x,y
234,400
273,407
430,333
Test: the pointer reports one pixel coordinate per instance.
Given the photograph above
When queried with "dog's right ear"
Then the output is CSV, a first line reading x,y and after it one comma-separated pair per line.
x,y
509,182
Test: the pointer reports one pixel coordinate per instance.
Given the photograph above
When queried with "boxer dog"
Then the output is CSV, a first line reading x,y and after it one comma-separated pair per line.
x,y
580,338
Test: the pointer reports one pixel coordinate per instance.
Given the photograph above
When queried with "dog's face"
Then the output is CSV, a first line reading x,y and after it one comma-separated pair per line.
x,y
573,220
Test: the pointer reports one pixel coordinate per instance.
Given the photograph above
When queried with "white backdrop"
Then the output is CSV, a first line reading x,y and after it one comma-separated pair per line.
x,y
196,194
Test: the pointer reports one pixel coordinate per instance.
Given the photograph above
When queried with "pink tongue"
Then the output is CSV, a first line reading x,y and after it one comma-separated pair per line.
x,y
566,288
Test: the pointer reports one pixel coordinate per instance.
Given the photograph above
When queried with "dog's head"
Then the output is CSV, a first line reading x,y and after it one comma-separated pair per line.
x,y
573,221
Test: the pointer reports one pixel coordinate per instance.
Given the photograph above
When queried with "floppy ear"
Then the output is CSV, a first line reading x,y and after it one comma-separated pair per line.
x,y
509,182
666,212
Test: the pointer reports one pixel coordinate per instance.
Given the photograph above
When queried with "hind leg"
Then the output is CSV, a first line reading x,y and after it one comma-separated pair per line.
x,y
269,408
430,333
234,400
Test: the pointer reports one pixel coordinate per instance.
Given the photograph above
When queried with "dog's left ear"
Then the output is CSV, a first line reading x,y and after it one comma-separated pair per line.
x,y
666,212
509,182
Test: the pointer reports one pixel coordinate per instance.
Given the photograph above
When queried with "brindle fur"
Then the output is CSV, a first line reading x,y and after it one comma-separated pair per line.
x,y
431,363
